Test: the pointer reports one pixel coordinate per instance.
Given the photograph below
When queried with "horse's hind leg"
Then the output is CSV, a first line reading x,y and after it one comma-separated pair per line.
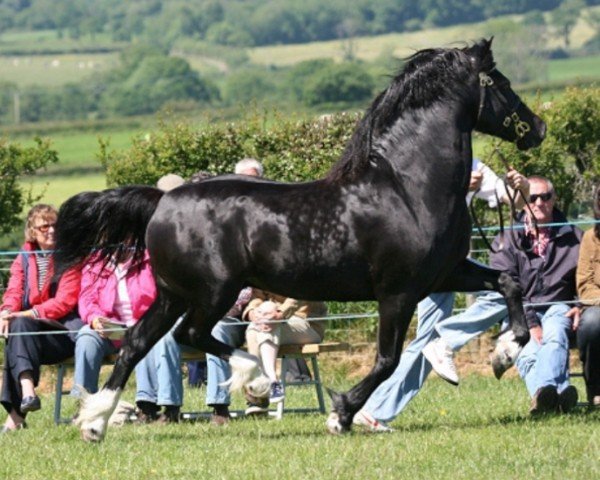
x,y
156,322
245,368
395,314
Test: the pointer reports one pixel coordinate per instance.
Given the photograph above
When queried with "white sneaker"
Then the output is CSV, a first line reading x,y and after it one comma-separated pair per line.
x,y
364,419
440,356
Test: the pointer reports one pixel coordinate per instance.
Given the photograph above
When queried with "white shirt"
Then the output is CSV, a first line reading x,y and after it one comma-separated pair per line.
x,y
489,184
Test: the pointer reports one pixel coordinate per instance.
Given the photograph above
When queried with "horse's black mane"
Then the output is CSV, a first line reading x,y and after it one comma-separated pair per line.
x,y
422,82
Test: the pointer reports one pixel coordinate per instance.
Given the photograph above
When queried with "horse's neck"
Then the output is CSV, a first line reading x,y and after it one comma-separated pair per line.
x,y
431,146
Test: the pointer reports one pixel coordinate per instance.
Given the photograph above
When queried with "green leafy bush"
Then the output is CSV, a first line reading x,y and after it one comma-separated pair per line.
x,y
16,161
290,150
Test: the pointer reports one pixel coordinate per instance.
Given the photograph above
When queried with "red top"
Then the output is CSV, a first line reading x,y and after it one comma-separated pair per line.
x,y
53,308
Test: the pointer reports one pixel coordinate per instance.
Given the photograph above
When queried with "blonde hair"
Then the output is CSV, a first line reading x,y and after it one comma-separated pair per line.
x,y
41,210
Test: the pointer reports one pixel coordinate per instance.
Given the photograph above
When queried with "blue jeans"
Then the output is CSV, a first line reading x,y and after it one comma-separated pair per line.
x,y
158,375
434,320
547,363
90,349
392,396
218,370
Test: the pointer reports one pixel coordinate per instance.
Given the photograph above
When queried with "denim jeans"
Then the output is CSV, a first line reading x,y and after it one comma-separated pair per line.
x,y
392,396
90,349
231,332
158,375
434,320
547,363
488,309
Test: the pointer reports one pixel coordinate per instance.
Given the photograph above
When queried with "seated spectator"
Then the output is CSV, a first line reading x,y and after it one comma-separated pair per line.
x,y
264,338
588,288
33,304
543,261
117,295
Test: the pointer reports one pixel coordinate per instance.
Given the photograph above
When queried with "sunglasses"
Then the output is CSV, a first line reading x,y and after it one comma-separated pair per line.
x,y
544,197
45,227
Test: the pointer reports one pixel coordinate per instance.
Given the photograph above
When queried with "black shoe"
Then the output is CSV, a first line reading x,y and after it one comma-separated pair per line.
x,y
170,415
567,399
30,404
545,400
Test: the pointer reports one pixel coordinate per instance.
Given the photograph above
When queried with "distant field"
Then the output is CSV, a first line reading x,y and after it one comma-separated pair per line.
x,y
400,44
53,70
588,67
78,168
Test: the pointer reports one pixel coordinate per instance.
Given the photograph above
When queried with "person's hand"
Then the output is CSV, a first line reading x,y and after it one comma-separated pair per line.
x,y
98,325
517,181
476,179
575,315
24,313
4,326
536,333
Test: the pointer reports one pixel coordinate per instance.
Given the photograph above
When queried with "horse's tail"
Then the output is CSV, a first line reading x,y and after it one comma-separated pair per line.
x,y
108,223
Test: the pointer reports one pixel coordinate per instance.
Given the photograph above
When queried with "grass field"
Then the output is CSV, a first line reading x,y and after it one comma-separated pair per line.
x,y
53,70
78,168
400,44
478,430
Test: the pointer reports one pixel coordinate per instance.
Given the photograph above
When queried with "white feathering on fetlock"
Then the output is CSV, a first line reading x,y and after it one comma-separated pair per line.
x,y
260,387
94,413
244,369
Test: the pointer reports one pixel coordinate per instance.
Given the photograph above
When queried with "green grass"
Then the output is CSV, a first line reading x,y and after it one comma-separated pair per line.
x,y
55,69
78,168
570,68
478,430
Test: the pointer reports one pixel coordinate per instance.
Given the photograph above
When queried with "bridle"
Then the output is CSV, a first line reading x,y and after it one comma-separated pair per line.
x,y
521,127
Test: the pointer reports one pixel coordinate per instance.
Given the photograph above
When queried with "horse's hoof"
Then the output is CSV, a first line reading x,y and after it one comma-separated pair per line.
x,y
505,354
92,435
334,426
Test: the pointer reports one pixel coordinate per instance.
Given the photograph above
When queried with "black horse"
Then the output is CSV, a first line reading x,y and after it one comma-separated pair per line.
x,y
388,223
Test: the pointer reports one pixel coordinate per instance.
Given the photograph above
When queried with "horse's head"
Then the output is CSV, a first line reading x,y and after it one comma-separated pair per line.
x,y
501,112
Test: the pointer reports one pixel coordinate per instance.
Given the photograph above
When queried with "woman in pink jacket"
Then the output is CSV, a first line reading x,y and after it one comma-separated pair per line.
x,y
113,298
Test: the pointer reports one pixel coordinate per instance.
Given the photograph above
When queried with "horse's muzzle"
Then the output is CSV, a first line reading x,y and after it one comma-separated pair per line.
x,y
535,136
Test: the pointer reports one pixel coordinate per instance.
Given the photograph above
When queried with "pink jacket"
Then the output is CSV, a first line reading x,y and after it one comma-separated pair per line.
x,y
99,290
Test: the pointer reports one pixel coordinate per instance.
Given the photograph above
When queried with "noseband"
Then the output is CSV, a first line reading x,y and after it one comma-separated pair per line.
x,y
521,127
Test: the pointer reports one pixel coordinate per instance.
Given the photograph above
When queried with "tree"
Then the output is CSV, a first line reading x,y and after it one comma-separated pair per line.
x,y
565,17
345,82
156,80
16,161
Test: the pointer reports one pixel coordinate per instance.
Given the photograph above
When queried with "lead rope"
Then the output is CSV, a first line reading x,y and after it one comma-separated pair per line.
x,y
513,212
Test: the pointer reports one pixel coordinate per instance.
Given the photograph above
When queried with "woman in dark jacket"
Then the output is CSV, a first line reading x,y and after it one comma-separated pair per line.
x,y
31,305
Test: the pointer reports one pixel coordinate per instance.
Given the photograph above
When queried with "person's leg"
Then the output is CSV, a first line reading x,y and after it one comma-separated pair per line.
x,y
90,349
525,364
392,396
552,366
588,343
489,309
146,396
546,363
168,372
231,332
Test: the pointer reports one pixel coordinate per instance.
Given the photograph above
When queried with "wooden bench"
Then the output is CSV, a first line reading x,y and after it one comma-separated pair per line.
x,y
308,352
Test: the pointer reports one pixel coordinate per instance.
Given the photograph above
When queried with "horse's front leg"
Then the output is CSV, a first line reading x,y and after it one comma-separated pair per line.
x,y
96,409
470,276
395,314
